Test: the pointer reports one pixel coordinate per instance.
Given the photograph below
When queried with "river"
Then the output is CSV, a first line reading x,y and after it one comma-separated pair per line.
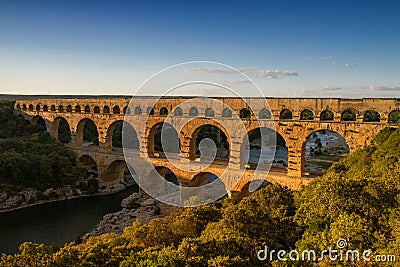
x,y
56,222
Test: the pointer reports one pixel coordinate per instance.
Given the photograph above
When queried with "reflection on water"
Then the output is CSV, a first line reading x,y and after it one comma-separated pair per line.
x,y
56,222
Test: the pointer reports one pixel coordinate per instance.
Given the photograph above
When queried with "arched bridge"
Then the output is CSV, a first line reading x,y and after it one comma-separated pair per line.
x,y
294,119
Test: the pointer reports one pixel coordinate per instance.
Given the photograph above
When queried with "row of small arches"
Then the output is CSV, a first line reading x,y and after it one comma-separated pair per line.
x,y
285,114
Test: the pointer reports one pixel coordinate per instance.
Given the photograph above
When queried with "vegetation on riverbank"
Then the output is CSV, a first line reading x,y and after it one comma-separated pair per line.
x,y
33,166
358,200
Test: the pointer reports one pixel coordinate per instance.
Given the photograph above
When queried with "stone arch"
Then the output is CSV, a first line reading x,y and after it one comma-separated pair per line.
x,y
262,141
245,113
114,135
214,131
227,113
138,111
60,130
154,143
87,109
332,145
193,112
209,112
394,116
327,115
18,107
265,114
69,108
286,114
178,112
116,110
96,109
89,165
166,173
37,107
163,111
53,108
87,131
307,115
60,108
45,108
126,110
150,111
39,121
78,109
202,178
30,107
349,114
114,172
248,189
372,116
24,107
106,109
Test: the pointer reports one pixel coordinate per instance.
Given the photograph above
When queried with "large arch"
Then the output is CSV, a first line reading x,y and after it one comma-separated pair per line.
x,y
89,166
114,173
257,148
168,143
166,173
252,186
321,149
61,130
394,116
114,135
203,192
87,133
40,122
217,134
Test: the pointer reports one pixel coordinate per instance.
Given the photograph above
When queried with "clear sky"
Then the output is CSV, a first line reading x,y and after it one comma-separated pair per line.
x,y
295,48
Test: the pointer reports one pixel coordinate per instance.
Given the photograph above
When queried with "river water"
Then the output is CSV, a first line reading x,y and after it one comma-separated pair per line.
x,y
56,222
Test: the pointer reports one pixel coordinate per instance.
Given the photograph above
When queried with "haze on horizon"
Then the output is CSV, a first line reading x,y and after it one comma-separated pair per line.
x,y
289,49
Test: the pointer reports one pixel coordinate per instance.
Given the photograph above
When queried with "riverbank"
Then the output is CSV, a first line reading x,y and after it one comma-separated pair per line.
x,y
137,206
30,197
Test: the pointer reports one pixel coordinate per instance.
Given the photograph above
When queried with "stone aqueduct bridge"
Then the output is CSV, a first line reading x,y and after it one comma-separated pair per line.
x,y
287,119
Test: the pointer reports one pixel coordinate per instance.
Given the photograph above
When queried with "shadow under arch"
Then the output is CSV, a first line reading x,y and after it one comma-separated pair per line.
x,y
217,134
253,186
321,149
114,173
87,133
40,122
264,148
61,130
89,166
163,138
204,186
115,132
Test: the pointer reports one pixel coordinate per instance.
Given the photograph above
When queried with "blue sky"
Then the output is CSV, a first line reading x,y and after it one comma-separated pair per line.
x,y
307,48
